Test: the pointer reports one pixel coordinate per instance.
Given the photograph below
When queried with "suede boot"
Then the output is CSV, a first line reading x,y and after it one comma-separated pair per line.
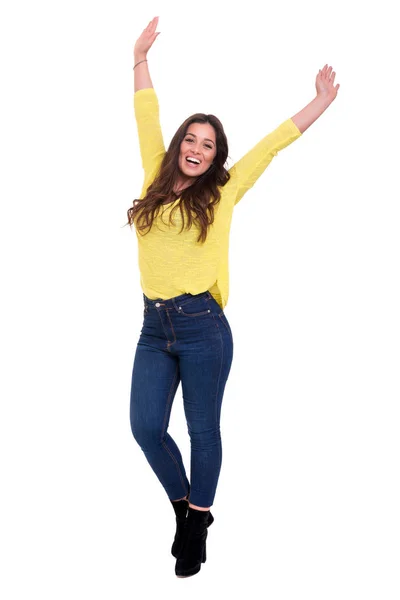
x,y
193,552
180,508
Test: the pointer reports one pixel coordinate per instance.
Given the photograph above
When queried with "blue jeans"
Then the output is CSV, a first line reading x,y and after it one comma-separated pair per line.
x,y
184,339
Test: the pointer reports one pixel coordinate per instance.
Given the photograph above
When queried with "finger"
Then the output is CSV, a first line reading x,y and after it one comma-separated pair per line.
x,y
150,25
333,77
328,74
154,25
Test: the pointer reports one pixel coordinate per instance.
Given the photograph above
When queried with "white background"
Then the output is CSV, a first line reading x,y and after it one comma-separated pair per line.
x,y
308,497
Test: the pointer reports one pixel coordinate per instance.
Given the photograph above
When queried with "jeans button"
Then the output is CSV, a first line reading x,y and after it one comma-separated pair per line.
x,y
158,304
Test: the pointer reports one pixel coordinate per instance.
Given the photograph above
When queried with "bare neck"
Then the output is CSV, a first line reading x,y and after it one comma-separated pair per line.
x,y
182,183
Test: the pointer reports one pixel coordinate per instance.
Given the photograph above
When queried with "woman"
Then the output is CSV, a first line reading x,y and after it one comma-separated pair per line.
x,y
182,224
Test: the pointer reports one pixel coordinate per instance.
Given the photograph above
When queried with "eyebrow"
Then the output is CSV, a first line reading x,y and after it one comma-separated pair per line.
x,y
208,139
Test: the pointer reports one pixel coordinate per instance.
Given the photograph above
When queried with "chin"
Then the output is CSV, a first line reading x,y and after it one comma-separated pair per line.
x,y
189,174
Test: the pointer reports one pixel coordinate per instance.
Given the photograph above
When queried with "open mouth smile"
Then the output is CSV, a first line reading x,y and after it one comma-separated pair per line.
x,y
192,162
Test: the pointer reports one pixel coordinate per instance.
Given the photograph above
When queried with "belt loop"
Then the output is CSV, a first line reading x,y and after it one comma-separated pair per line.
x,y
175,305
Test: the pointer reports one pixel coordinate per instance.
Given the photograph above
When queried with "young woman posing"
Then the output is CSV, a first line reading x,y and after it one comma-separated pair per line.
x,y
182,222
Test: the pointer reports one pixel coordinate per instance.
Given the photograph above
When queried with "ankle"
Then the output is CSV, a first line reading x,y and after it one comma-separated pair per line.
x,y
198,507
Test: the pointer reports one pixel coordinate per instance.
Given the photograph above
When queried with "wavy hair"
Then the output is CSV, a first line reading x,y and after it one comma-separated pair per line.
x,y
198,200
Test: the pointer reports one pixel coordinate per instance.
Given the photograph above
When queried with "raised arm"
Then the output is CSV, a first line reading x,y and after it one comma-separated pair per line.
x,y
326,93
143,44
249,168
146,107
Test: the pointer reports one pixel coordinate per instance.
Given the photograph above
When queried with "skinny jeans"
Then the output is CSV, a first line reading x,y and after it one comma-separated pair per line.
x,y
186,339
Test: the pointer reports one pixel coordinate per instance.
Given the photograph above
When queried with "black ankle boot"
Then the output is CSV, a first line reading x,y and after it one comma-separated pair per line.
x,y
193,551
180,508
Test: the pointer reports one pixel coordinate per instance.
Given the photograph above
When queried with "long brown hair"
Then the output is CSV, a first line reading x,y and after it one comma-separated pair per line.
x,y
196,201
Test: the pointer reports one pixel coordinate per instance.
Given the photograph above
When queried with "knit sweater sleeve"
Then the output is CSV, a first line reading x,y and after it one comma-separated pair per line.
x,y
249,168
151,142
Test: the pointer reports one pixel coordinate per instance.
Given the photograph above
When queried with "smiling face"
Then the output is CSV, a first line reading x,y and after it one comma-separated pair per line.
x,y
198,149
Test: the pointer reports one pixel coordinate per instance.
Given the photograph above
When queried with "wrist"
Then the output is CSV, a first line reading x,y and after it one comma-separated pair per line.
x,y
137,57
324,99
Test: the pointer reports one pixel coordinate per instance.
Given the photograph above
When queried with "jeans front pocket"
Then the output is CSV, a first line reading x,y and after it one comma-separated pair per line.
x,y
195,308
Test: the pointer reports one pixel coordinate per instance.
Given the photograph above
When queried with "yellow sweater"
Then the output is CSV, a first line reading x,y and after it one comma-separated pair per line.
x,y
173,263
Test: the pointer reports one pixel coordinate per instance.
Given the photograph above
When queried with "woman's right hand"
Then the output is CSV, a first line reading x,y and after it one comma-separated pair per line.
x,y
146,39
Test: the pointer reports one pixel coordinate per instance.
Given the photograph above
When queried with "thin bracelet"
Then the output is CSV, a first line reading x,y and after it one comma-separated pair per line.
x,y
140,61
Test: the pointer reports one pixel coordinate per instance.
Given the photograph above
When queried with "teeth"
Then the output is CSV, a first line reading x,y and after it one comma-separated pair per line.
x,y
195,160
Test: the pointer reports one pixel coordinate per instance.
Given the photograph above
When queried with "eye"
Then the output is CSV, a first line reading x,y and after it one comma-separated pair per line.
x,y
208,146
188,140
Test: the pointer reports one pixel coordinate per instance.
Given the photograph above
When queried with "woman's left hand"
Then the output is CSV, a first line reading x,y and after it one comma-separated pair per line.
x,y
324,83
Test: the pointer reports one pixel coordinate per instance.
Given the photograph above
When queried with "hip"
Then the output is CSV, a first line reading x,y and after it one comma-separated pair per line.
x,y
186,319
